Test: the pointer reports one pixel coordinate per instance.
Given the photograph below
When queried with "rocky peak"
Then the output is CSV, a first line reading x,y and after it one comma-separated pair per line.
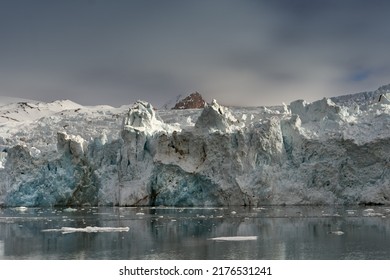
x,y
193,101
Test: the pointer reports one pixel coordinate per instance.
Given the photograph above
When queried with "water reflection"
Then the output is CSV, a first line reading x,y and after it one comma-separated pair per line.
x,y
185,233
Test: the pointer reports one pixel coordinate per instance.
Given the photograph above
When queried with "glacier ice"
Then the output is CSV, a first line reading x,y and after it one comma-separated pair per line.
x,y
331,151
215,117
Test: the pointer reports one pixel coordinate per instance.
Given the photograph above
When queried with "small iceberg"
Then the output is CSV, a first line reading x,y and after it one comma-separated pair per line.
x,y
337,232
69,209
88,229
234,238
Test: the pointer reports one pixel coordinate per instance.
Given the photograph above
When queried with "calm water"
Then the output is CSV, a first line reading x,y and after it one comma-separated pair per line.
x,y
186,233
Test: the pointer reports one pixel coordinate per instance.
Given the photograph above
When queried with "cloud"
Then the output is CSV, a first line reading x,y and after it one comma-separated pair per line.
x,y
239,52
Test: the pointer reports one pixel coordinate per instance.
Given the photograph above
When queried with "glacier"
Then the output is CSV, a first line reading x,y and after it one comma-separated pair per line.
x,y
330,151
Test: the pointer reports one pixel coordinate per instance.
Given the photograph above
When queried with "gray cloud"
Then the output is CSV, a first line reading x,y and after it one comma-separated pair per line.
x,y
239,52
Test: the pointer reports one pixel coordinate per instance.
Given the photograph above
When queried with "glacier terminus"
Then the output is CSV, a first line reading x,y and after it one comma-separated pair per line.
x,y
330,151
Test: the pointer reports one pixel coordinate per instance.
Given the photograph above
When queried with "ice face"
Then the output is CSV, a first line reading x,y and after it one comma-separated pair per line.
x,y
215,117
324,152
3,159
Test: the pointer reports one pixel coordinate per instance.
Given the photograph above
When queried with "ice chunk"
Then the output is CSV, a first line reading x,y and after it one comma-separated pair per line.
x,y
215,117
88,229
73,144
69,209
337,232
384,98
34,152
234,238
3,159
316,111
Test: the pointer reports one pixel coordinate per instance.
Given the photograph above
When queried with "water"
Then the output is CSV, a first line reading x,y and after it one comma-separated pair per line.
x,y
187,233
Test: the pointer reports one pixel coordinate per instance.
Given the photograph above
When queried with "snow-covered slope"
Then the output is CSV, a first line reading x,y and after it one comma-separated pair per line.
x,y
27,111
362,98
5,100
323,152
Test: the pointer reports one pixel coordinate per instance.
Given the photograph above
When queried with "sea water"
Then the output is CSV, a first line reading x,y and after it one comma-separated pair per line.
x,y
100,233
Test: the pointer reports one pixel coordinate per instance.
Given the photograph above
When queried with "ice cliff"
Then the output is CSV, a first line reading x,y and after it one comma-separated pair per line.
x,y
326,152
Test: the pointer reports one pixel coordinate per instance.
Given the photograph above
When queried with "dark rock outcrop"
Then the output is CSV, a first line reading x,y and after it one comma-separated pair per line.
x,y
193,101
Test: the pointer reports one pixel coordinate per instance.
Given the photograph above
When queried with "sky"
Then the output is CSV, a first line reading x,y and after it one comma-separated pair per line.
x,y
239,52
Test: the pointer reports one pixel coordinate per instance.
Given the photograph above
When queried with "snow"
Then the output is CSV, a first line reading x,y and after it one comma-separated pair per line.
x,y
171,103
142,118
5,100
29,111
331,151
216,118
34,152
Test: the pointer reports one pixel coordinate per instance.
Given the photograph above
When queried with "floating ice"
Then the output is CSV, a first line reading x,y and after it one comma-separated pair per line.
x,y
1,248
372,214
69,209
337,232
88,229
234,238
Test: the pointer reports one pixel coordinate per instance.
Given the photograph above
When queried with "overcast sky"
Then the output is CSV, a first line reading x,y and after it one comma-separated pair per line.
x,y
243,52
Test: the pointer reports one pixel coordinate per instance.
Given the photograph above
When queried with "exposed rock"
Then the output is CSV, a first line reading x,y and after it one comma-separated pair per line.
x,y
193,101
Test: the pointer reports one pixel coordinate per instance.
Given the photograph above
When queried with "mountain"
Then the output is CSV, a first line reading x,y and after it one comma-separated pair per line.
x,y
171,103
26,111
5,100
193,101
331,151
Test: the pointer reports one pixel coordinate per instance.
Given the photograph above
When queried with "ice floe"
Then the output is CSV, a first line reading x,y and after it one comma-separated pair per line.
x,y
88,229
234,238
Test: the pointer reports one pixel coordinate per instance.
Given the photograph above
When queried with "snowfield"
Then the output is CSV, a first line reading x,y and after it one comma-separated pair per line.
x,y
331,151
